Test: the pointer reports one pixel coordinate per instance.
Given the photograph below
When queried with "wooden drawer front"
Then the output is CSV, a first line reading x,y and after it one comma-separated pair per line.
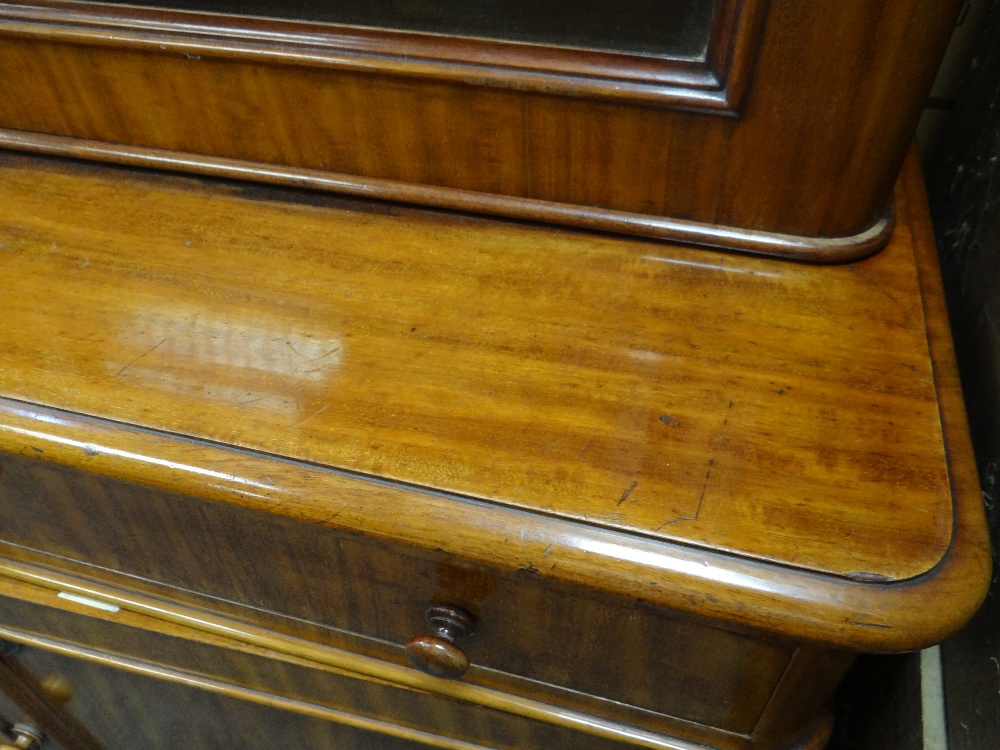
x,y
123,709
612,649
398,709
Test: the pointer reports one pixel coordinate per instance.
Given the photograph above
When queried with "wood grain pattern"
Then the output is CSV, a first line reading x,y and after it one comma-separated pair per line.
x,y
406,398
817,249
554,637
576,376
572,375
370,691
964,191
134,709
810,162
715,81
367,704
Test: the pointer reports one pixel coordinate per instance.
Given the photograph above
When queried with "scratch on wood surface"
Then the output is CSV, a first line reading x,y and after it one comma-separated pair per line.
x,y
311,416
311,359
626,493
865,577
869,625
701,499
326,354
584,448
144,354
289,345
255,400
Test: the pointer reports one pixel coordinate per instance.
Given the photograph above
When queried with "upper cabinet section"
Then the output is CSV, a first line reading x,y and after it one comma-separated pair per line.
x,y
676,53
677,29
771,127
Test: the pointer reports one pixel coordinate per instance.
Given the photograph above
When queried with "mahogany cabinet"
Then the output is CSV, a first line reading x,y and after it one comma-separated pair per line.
x,y
768,126
282,450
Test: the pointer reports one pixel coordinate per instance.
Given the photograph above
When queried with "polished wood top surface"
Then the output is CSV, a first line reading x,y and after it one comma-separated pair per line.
x,y
774,410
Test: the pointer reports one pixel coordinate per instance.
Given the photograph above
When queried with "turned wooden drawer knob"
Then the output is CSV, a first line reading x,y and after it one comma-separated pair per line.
x,y
437,653
25,737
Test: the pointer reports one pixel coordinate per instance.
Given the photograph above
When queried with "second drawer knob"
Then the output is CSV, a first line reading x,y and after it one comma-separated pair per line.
x,y
437,654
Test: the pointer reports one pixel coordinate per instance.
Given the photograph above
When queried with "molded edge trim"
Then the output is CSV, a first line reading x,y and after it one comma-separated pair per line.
x,y
149,669
749,595
321,654
811,249
676,83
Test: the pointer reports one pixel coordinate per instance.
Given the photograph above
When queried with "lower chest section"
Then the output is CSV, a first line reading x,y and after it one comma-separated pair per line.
x,y
535,642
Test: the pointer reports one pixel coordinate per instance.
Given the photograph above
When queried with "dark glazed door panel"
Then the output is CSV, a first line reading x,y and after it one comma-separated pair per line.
x,y
676,29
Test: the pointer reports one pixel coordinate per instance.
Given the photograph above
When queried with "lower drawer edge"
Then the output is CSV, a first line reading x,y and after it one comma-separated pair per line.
x,y
441,709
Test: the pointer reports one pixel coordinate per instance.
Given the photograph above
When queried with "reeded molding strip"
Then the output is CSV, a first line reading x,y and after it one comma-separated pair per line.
x,y
811,249
340,659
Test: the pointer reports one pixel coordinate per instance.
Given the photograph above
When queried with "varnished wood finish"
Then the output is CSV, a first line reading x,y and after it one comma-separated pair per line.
x,y
361,692
534,369
550,372
820,249
715,82
545,428
438,654
804,170
795,714
134,705
706,677
527,627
